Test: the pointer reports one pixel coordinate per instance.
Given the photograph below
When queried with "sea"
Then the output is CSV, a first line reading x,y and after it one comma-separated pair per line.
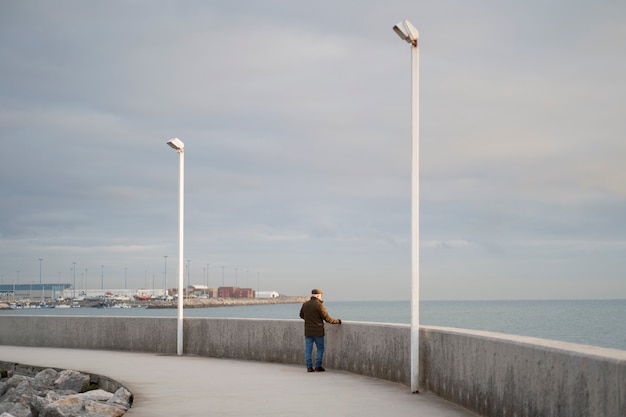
x,y
590,322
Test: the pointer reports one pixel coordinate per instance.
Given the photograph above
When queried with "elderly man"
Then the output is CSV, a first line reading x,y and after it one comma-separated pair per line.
x,y
314,315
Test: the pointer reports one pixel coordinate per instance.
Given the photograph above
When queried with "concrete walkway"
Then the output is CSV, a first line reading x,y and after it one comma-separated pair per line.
x,y
199,386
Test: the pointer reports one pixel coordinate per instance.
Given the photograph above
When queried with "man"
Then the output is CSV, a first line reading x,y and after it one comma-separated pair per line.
x,y
314,315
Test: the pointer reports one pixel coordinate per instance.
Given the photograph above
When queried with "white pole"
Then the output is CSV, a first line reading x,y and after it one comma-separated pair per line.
x,y
407,32
415,222
181,220
165,275
74,286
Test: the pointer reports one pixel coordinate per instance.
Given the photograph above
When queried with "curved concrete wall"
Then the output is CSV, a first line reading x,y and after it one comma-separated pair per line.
x,y
503,375
492,374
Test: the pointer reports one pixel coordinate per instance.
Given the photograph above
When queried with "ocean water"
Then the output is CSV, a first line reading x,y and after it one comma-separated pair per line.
x,y
590,322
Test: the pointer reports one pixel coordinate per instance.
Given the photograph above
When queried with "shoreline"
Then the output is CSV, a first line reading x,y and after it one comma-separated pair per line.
x,y
187,303
225,302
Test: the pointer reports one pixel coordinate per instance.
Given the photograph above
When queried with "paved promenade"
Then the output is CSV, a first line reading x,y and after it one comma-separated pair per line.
x,y
185,386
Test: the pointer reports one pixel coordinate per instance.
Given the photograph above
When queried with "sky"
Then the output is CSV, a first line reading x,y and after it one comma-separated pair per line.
x,y
296,119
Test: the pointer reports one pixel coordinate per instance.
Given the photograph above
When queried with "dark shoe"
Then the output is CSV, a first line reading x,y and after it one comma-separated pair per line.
x,y
319,369
310,370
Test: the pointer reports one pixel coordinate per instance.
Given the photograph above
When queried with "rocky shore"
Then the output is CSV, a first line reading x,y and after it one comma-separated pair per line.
x,y
225,302
59,393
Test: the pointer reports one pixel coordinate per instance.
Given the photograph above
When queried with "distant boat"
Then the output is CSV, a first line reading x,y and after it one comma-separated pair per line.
x,y
143,297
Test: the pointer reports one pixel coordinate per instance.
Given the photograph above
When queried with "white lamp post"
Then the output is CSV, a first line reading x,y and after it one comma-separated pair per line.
x,y
188,273
165,275
179,146
40,284
74,286
407,32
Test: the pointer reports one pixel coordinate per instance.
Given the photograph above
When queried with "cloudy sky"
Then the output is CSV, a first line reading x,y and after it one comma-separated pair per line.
x,y
296,122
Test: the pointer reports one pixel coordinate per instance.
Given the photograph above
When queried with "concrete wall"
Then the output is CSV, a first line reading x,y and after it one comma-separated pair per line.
x,y
492,374
141,334
501,375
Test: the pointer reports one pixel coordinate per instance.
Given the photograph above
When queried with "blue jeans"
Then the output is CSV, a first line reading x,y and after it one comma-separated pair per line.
x,y
308,350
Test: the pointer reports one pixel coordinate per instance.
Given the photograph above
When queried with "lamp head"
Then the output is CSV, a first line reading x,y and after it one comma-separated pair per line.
x,y
406,31
177,144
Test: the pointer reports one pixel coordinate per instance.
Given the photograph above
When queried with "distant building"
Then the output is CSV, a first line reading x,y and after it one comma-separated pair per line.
x,y
40,291
235,292
267,294
243,293
198,290
225,292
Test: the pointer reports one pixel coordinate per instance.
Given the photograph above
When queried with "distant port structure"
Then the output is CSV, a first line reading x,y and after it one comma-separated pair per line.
x,y
50,294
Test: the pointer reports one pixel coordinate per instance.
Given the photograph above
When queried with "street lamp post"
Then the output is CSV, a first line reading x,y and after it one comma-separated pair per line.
x,y
165,274
74,285
188,273
407,32
40,284
179,146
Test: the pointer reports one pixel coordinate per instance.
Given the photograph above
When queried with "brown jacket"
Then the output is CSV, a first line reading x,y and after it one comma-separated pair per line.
x,y
314,315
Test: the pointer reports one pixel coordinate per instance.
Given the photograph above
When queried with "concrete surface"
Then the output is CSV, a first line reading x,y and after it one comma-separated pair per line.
x,y
516,376
186,386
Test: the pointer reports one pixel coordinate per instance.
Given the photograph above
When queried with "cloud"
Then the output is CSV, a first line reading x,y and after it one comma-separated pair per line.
x,y
296,123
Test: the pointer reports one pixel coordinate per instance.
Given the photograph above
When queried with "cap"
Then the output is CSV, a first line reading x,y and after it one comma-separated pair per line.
x,y
316,291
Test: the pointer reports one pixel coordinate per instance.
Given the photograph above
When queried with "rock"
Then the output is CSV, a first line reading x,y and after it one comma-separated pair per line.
x,y
58,394
39,403
15,380
122,397
72,380
96,395
50,397
67,406
20,394
104,409
44,380
18,410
